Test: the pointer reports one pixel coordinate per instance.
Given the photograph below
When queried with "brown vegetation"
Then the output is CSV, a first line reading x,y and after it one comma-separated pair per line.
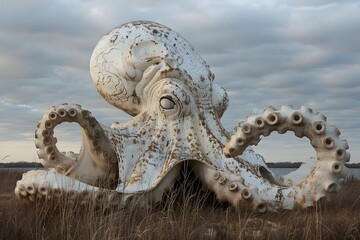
x,y
187,213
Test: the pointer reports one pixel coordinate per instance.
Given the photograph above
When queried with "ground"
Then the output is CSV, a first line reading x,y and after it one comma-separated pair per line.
x,y
184,214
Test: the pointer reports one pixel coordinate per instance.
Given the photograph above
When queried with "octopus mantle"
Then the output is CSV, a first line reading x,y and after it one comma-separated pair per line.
x,y
152,73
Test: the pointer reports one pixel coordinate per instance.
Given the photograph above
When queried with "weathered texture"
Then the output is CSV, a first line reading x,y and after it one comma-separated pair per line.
x,y
153,74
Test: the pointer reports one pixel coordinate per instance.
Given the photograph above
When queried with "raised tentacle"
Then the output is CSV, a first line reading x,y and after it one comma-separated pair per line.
x,y
322,177
96,163
302,122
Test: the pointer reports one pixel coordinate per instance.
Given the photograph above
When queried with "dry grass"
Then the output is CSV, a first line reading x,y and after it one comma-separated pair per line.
x,y
187,213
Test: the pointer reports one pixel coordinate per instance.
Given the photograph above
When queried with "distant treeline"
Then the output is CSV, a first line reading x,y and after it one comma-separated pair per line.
x,y
352,165
21,165
284,164
270,165
297,164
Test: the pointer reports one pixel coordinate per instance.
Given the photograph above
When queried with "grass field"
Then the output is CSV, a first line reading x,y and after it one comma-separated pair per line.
x,y
187,213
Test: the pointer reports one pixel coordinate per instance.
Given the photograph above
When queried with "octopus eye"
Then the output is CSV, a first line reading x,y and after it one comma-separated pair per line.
x,y
166,103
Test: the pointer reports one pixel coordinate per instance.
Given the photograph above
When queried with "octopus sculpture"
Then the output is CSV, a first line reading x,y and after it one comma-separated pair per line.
x,y
152,73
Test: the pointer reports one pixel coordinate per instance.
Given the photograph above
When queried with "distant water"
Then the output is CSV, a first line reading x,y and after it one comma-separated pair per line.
x,y
283,171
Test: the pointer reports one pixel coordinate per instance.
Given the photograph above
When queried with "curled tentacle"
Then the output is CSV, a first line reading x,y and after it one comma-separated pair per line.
x,y
96,155
311,182
43,185
303,122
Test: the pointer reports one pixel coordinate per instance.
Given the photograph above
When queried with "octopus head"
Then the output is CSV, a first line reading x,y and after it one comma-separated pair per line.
x,y
138,58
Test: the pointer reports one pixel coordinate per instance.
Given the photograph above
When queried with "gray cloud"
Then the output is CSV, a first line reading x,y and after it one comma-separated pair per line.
x,y
313,3
263,52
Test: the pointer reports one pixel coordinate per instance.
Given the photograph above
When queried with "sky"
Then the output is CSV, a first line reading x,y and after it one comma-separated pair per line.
x,y
270,52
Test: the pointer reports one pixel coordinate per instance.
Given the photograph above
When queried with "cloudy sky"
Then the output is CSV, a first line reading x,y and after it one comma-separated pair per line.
x,y
299,52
